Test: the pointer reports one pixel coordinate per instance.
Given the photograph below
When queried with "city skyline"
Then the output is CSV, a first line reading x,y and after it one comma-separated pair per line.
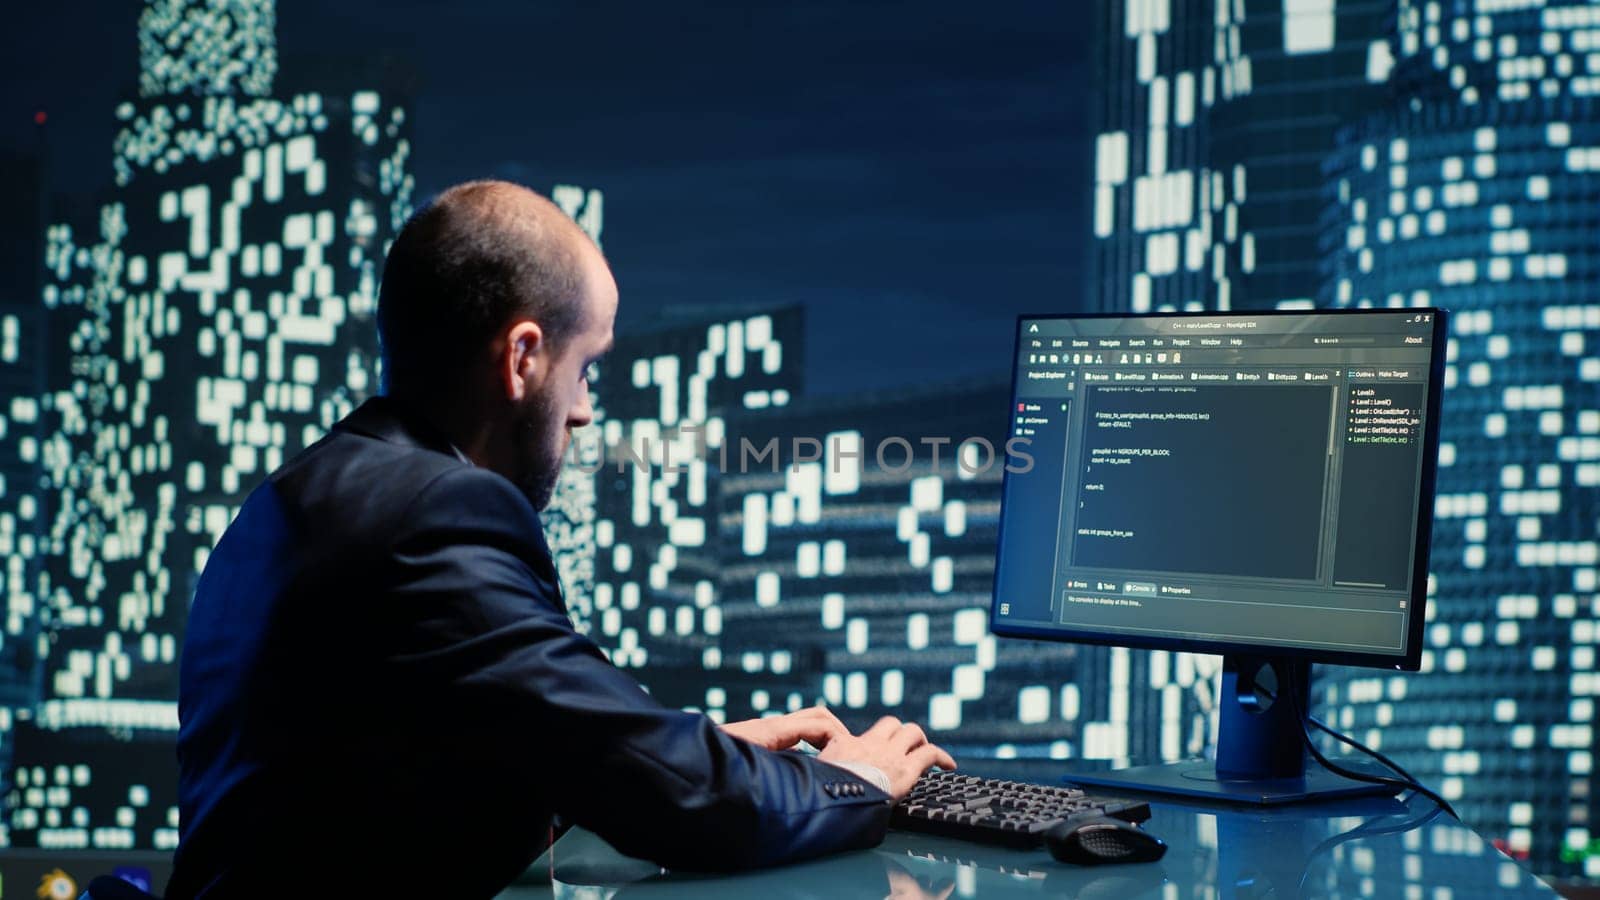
x,y
211,317
1472,190
882,166
1247,154
1401,155
179,299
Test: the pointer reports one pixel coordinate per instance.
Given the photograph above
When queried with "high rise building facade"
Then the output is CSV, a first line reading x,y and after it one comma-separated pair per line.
x,y
570,519
213,319
215,315
840,550
1476,190
1399,154
666,397
22,365
1212,121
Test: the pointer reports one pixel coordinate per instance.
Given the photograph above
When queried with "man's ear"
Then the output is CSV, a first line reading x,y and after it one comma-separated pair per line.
x,y
522,363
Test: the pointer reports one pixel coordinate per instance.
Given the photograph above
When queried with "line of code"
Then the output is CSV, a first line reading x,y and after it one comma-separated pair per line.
x,y
1211,479
1379,414
1378,485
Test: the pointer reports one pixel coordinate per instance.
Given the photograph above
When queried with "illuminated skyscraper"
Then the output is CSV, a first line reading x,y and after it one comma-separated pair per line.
x,y
866,570
1213,120
881,554
569,520
215,319
667,397
864,576
838,549
23,357
1374,154
1476,191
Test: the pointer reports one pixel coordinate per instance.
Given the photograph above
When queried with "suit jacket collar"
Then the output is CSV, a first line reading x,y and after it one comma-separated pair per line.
x,y
390,420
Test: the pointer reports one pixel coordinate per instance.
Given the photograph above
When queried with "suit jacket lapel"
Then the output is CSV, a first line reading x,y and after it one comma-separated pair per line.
x,y
387,420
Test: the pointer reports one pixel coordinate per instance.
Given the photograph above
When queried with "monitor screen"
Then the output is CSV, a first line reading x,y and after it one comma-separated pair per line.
x,y
1228,483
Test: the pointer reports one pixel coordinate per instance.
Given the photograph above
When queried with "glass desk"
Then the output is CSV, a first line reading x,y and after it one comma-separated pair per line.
x,y
1357,848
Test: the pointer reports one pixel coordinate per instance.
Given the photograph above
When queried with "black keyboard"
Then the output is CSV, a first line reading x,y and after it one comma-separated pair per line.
x,y
1001,812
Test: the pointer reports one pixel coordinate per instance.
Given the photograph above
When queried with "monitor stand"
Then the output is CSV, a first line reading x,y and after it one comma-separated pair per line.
x,y
1261,756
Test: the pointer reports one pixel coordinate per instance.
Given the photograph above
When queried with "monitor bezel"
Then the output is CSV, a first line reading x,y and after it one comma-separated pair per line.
x,y
1410,659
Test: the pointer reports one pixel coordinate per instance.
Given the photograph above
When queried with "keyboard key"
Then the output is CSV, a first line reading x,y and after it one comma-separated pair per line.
x,y
997,811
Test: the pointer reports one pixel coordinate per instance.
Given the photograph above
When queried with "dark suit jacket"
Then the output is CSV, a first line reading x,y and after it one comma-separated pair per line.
x,y
380,679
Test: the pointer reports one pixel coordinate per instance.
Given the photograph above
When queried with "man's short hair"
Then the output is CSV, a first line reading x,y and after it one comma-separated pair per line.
x,y
465,265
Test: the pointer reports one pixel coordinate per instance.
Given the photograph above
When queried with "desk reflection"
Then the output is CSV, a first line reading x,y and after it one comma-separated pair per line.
x,y
952,868
1375,848
906,885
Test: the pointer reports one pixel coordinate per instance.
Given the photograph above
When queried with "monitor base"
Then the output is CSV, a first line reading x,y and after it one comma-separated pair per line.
x,y
1260,744
1197,779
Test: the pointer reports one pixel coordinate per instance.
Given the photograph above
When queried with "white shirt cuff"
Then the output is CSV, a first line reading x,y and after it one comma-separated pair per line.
x,y
869,773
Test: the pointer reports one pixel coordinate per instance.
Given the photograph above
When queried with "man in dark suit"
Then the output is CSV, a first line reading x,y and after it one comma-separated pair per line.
x,y
380,684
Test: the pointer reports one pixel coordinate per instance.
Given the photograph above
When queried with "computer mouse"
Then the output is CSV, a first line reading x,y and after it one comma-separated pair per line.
x,y
1091,842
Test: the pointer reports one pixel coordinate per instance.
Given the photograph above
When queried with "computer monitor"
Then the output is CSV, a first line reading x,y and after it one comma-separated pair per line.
x,y
1257,485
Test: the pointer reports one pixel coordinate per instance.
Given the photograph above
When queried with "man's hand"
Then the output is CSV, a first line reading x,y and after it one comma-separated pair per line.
x,y
899,750
815,725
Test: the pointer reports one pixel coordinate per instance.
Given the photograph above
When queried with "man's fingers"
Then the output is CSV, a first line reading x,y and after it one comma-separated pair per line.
x,y
823,723
816,732
814,725
828,715
929,755
786,731
923,758
883,729
821,712
909,737
756,731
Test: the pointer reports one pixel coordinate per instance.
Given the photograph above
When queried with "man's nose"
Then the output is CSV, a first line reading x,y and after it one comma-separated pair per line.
x,y
582,414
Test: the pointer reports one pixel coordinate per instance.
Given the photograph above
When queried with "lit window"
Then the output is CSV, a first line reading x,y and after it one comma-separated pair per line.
x,y
1308,26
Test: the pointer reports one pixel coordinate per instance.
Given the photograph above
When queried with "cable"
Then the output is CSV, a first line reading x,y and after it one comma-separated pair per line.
x,y
1372,828
1407,781
1305,737
1325,728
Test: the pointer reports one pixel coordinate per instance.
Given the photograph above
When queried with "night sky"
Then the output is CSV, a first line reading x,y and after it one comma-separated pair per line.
x,y
916,174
